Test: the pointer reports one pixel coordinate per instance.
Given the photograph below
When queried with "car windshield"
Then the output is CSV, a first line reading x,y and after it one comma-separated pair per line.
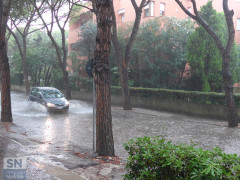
x,y
51,93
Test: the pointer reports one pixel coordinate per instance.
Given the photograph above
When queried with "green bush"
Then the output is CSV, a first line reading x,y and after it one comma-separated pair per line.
x,y
156,158
180,95
16,78
86,84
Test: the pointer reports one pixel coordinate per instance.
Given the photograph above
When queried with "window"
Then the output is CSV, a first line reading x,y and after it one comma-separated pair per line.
x,y
162,9
238,24
122,17
121,13
33,92
149,9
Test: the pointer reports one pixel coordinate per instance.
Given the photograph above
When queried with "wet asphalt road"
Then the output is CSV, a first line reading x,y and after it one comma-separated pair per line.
x,y
55,138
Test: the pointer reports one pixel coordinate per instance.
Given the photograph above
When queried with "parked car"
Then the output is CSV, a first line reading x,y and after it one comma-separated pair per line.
x,y
49,97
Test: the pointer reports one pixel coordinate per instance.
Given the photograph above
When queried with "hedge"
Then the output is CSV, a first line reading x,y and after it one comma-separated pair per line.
x,y
156,158
187,96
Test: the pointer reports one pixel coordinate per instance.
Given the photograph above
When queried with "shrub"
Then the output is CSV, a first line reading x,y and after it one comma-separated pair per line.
x,y
17,78
156,158
180,95
86,84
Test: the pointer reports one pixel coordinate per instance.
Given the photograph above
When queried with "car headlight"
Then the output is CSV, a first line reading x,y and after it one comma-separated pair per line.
x,y
50,105
66,103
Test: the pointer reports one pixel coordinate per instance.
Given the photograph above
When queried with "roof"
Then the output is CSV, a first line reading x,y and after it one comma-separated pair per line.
x,y
45,88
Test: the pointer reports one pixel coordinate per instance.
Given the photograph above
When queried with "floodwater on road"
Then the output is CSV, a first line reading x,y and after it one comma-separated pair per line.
x,y
63,129
72,131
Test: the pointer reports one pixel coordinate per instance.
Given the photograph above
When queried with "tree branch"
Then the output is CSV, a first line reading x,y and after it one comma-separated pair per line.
x,y
17,41
201,21
76,4
143,5
134,4
229,19
186,11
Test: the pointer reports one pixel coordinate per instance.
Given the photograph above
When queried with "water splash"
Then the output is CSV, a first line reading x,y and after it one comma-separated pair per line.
x,y
79,107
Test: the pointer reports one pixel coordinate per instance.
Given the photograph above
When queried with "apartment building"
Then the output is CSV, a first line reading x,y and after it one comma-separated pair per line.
x,y
169,8
156,8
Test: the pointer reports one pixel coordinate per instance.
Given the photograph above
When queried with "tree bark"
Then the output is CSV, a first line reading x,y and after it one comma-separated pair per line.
x,y
6,111
101,73
123,72
228,88
123,62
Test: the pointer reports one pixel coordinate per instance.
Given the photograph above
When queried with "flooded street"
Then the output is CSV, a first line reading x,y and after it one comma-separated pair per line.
x,y
55,137
73,127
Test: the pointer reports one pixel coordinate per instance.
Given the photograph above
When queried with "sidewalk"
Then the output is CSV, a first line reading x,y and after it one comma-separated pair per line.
x,y
10,148
82,166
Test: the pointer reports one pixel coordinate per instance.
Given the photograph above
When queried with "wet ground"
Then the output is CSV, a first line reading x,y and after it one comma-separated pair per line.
x,y
58,139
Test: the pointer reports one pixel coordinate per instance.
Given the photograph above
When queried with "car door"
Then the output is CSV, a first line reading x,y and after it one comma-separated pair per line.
x,y
39,97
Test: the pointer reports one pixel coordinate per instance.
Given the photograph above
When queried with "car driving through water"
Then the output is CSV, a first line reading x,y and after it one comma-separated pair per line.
x,y
49,97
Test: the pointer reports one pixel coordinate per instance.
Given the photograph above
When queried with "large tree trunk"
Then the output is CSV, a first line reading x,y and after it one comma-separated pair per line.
x,y
125,88
123,70
6,114
228,88
101,73
6,111
123,63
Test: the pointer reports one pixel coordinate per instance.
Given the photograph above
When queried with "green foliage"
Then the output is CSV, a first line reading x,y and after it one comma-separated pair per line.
x,y
158,55
86,84
82,84
20,10
124,33
156,158
76,12
203,54
16,78
75,82
87,39
41,59
179,95
58,79
115,78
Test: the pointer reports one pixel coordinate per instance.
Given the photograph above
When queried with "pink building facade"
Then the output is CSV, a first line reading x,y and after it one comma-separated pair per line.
x,y
159,8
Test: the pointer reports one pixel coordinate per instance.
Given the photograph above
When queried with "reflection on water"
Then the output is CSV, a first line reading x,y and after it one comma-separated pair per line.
x,y
48,134
67,132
